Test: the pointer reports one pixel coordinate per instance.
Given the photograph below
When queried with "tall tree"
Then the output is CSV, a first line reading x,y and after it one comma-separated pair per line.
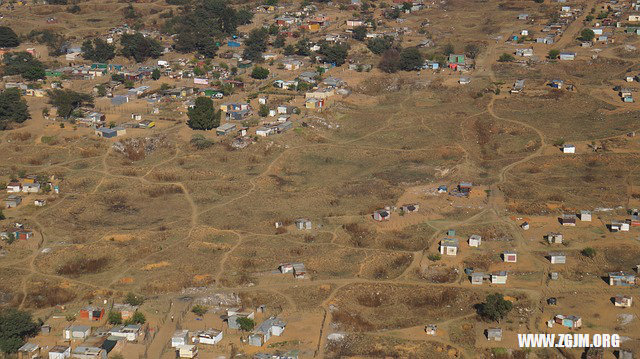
x,y
13,108
8,37
15,327
359,33
140,48
67,101
202,116
256,44
411,59
495,307
24,64
98,50
390,61
335,54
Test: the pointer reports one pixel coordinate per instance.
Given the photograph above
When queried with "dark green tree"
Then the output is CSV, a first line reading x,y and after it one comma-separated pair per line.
x,y
390,61
98,50
140,48
137,318
202,116
24,64
130,12
2,217
259,73
495,307
256,44
379,45
246,324
279,41
588,252
335,54
15,327
359,33
263,111
13,108
553,54
289,50
199,310
114,318
133,299
586,35
506,58
8,37
155,74
411,59
303,47
56,43
67,101
471,50
244,16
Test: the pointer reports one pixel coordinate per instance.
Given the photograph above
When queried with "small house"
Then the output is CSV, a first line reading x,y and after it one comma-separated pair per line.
x,y
568,220
475,240
585,216
89,352
303,224
40,202
556,84
264,131
528,52
465,187
14,187
225,129
92,313
29,351
569,149
554,238
180,337
451,232
554,275
557,258
381,215
233,314
477,278
623,279
567,56
617,226
12,201
570,321
499,277
129,332
624,301
211,337
60,352
410,208
625,354
464,80
187,351
494,334
449,246
457,59
125,310
430,329
510,257
76,332
525,226
552,301
266,329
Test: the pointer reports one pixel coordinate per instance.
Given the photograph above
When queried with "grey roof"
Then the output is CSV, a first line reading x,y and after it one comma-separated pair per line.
x,y
265,326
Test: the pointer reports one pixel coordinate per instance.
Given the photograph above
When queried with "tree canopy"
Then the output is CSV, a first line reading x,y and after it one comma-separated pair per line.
x,y
390,61
98,50
202,116
8,37
246,324
359,32
24,64
411,59
495,307
15,326
586,35
204,23
56,43
67,101
13,108
140,48
335,54
379,45
259,73
256,44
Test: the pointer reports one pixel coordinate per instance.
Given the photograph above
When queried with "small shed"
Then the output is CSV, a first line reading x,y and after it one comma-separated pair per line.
x,y
477,278
557,258
303,224
510,257
568,220
449,246
494,334
554,238
585,216
475,240
624,301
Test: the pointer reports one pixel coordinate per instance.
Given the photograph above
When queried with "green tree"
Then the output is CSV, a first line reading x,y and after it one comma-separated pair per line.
x,y
130,12
202,116
334,54
137,318
244,16
471,50
279,41
289,50
56,43
98,50
74,9
2,217
586,35
263,111
506,58
24,64
133,299
259,73
8,37
199,310
15,327
256,44
114,318
359,33
13,108
411,59
448,49
303,47
155,74
554,54
495,307
67,101
379,45
390,61
140,48
246,324
588,252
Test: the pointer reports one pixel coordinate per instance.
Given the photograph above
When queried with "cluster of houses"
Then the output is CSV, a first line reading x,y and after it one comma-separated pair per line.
x,y
29,184
385,213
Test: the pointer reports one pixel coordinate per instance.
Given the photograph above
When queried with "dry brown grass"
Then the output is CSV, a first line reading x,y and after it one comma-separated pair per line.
x,y
81,265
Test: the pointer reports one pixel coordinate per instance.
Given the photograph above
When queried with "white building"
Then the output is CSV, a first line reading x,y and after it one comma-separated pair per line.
x,y
211,336
475,240
180,337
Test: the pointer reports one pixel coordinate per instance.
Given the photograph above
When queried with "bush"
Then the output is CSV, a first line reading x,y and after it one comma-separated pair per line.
x,y
8,37
259,73
554,54
506,58
588,252
133,299
199,310
200,142
495,307
434,257
586,35
114,318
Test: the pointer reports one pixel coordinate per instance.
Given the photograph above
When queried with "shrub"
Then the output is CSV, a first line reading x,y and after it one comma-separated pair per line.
x,y
588,252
